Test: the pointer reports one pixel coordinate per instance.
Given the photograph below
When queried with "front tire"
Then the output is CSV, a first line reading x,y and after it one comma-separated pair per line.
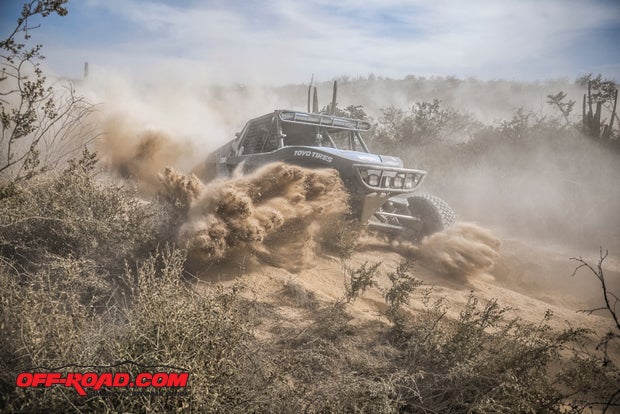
x,y
434,214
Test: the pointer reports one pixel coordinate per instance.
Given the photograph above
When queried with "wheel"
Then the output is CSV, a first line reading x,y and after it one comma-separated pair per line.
x,y
434,214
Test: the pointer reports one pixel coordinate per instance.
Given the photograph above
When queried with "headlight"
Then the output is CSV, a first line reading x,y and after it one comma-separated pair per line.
x,y
397,182
409,181
373,180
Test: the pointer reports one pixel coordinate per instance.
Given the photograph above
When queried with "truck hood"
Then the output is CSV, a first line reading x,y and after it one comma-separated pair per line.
x,y
364,157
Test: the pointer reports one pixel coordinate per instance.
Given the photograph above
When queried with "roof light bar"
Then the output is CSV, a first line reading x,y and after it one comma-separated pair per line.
x,y
326,120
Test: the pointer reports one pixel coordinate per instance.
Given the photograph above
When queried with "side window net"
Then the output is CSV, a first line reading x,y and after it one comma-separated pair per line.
x,y
258,135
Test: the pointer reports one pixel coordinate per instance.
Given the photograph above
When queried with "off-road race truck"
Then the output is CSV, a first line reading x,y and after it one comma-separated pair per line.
x,y
381,190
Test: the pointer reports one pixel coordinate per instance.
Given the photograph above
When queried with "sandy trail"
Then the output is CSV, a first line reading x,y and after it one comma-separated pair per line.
x,y
527,278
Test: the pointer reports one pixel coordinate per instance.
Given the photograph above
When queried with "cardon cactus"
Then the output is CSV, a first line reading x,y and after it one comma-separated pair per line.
x,y
592,120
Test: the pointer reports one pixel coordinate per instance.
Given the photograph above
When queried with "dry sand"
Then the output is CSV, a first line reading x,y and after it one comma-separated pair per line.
x,y
529,279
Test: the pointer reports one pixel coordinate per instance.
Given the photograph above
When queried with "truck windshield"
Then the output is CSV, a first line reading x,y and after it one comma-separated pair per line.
x,y
347,140
317,136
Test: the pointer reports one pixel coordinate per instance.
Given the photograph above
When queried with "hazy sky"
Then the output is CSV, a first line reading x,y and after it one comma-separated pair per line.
x,y
282,41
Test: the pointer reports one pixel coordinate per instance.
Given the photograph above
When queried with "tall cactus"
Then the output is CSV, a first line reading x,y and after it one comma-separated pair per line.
x,y
315,102
608,128
592,120
334,97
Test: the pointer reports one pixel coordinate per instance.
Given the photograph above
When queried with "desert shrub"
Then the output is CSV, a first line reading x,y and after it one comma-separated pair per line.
x,y
481,361
301,296
332,366
332,322
424,361
164,323
44,323
347,236
331,377
351,111
402,285
596,381
359,280
171,323
485,362
72,213
422,124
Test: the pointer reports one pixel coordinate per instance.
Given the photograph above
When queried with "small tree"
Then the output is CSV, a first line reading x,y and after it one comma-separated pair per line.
x,y
37,120
607,366
565,107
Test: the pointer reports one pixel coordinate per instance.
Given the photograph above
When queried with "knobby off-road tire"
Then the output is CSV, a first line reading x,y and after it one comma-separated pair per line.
x,y
434,214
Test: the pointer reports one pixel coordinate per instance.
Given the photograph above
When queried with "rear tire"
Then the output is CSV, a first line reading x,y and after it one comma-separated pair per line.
x,y
434,214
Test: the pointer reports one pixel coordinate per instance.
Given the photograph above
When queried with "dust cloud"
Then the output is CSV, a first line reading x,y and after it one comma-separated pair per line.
x,y
563,191
488,101
279,214
138,154
548,188
180,189
160,119
463,250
